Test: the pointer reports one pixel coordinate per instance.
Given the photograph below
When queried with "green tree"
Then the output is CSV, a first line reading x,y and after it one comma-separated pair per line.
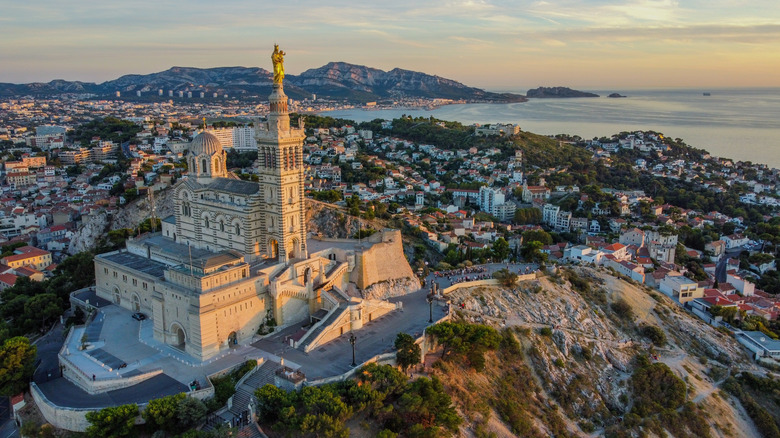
x,y
407,351
532,252
384,379
505,277
271,402
162,412
190,413
112,422
43,308
17,364
537,236
428,406
500,249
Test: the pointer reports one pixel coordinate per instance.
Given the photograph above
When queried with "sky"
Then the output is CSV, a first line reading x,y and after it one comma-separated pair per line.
x,y
502,45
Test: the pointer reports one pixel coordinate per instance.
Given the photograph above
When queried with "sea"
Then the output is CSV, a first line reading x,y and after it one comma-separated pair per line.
x,y
741,124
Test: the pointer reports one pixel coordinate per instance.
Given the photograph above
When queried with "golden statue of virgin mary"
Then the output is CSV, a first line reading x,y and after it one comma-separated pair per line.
x,y
278,60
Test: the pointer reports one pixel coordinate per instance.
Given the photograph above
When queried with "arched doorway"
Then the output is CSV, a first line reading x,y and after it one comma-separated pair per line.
x,y
232,340
117,297
180,337
273,249
307,276
294,248
136,303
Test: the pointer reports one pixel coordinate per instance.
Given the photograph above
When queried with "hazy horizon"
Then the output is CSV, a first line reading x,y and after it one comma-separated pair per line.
x,y
584,44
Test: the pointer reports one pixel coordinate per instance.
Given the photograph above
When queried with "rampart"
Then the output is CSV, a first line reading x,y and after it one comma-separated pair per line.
x,y
491,282
384,260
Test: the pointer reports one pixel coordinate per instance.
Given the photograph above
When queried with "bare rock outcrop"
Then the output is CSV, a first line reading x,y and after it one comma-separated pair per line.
x,y
91,230
393,288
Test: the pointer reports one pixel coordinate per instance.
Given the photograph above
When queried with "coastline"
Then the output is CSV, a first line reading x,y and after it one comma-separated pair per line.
x,y
742,125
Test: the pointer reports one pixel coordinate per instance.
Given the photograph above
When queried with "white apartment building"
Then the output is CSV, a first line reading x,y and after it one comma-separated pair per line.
x,y
490,199
240,138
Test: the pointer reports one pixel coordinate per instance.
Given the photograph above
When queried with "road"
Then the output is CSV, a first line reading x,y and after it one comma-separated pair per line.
x,y
720,270
7,424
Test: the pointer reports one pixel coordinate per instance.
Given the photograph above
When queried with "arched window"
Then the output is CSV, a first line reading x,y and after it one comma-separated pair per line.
x,y
221,226
203,162
237,229
206,223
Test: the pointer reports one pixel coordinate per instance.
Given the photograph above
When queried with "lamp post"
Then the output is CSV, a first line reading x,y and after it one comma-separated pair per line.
x,y
352,340
429,299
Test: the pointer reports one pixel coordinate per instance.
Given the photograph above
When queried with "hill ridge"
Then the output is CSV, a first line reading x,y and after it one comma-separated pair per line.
x,y
334,80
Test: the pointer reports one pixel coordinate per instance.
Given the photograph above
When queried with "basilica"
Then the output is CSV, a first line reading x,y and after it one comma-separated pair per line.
x,y
234,255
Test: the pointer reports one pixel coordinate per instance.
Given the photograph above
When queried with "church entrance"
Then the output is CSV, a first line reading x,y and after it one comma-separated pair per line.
x,y
232,340
273,249
136,303
295,248
179,337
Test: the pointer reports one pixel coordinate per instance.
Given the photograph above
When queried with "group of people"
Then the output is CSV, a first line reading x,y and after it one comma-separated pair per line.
x,y
472,273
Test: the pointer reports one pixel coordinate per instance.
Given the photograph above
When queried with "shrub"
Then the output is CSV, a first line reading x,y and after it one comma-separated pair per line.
x,y
545,331
622,309
656,388
655,334
587,426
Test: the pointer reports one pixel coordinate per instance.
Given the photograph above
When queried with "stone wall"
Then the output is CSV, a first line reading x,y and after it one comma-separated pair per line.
x,y
101,385
491,282
62,418
383,261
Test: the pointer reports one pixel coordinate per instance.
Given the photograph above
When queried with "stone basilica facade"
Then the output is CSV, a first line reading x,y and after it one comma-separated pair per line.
x,y
217,211
235,254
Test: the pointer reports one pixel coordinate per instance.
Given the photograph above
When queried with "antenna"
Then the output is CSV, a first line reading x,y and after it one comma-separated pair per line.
x,y
190,250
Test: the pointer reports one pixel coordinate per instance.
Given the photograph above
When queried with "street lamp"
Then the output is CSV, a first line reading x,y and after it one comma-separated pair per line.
x,y
429,299
352,340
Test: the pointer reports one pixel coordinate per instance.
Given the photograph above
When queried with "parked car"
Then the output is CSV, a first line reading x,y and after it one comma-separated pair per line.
x,y
139,316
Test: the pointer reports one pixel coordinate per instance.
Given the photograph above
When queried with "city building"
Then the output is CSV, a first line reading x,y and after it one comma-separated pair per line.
x,y
28,256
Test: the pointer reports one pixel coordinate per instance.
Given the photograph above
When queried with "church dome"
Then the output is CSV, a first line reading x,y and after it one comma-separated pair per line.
x,y
205,143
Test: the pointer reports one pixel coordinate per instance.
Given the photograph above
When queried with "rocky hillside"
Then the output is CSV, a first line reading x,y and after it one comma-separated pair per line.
x,y
331,221
340,79
576,372
95,227
336,80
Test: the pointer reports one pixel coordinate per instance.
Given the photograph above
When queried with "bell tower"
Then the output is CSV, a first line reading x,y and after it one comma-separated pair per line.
x,y
280,167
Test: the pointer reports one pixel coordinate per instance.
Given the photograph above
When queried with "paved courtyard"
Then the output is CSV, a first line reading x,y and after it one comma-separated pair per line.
x,y
376,337
116,338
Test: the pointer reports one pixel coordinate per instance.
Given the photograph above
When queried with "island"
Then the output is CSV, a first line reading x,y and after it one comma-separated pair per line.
x,y
616,95
557,92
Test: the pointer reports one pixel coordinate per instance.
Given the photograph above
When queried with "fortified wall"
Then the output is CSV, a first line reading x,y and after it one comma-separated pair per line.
x,y
383,261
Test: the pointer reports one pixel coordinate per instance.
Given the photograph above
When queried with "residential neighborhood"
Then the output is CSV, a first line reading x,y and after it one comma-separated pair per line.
x,y
458,202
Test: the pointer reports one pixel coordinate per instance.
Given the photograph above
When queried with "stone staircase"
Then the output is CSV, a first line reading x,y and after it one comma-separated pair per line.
x,y
245,393
324,325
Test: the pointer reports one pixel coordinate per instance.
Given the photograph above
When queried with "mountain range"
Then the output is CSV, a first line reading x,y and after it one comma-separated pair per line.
x,y
335,80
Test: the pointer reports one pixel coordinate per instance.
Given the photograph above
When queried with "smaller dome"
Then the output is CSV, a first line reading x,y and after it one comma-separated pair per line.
x,y
205,143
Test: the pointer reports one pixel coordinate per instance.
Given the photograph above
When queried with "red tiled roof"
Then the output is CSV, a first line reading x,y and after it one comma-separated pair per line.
x,y
8,279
